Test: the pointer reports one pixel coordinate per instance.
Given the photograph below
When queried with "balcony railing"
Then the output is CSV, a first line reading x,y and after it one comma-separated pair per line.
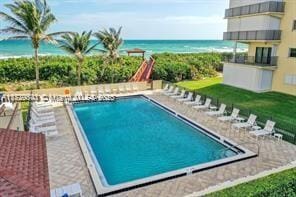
x,y
251,60
270,6
253,35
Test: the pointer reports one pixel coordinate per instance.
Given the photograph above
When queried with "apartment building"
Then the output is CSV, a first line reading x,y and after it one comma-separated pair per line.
x,y
269,29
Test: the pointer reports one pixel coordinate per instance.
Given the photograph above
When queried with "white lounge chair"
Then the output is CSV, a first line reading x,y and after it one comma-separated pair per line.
x,y
70,190
42,104
197,101
170,90
220,112
42,121
166,88
38,129
245,125
180,96
8,106
78,95
205,106
187,99
175,92
38,113
35,117
268,130
43,109
230,118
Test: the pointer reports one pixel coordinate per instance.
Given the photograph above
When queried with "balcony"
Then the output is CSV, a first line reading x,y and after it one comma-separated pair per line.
x,y
263,35
265,7
251,60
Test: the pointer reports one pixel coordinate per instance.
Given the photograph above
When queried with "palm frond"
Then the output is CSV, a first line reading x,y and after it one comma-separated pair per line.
x,y
13,30
13,21
31,18
18,37
77,44
111,41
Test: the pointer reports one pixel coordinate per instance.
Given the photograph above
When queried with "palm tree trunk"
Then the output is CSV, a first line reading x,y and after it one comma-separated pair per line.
x,y
37,68
79,72
112,64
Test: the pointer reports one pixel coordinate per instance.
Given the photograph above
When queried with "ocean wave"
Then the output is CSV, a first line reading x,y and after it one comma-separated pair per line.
x,y
28,56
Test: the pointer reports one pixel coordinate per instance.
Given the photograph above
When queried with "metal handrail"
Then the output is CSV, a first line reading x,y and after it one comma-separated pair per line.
x,y
270,6
253,35
251,60
150,66
139,71
12,116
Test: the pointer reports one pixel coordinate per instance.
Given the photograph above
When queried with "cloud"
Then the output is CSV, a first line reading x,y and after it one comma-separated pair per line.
x,y
151,27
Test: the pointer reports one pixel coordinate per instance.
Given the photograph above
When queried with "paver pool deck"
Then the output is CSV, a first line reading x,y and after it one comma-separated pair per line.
x,y
67,165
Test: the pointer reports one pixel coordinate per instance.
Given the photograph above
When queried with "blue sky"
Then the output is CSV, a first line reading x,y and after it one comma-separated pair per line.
x,y
142,19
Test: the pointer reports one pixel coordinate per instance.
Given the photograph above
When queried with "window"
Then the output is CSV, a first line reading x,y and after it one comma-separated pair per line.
x,y
292,52
263,55
290,79
294,25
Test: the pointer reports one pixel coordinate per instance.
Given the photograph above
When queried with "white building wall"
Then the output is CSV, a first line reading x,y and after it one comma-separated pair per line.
x,y
239,3
247,77
261,22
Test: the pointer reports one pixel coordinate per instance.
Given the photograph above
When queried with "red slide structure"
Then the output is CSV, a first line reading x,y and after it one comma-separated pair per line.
x,y
144,72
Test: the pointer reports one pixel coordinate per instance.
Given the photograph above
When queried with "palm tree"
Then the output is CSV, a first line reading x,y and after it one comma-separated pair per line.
x,y
111,41
79,46
30,20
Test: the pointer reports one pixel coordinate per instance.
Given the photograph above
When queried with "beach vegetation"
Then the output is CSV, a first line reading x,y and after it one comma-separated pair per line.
x,y
192,66
111,41
30,20
78,45
59,71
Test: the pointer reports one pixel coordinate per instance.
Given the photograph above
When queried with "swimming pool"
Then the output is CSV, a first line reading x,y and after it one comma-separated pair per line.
x,y
136,140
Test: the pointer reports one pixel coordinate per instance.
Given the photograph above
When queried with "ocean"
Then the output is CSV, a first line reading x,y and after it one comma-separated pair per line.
x,y
22,48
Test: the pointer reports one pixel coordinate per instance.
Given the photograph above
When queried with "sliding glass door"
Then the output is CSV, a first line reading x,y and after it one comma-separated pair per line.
x,y
263,55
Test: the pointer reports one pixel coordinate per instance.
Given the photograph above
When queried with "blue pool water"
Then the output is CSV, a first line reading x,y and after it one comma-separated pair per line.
x,y
133,139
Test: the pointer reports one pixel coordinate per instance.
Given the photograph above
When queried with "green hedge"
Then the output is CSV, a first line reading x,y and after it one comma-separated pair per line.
x,y
178,67
62,70
280,184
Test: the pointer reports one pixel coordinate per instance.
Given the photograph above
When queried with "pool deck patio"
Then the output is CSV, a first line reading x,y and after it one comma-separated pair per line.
x,y
67,165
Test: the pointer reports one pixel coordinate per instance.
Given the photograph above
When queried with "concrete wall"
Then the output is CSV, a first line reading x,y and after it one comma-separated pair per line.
x,y
61,91
259,22
238,3
252,78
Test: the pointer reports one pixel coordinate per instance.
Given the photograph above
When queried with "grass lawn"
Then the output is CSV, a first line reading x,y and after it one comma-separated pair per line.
x,y
280,184
24,110
272,105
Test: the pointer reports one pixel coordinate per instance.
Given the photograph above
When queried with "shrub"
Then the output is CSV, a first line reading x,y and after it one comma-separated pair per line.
x,y
178,67
280,184
61,70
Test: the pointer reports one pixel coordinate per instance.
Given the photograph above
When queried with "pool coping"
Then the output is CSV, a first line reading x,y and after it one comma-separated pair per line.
x,y
97,175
